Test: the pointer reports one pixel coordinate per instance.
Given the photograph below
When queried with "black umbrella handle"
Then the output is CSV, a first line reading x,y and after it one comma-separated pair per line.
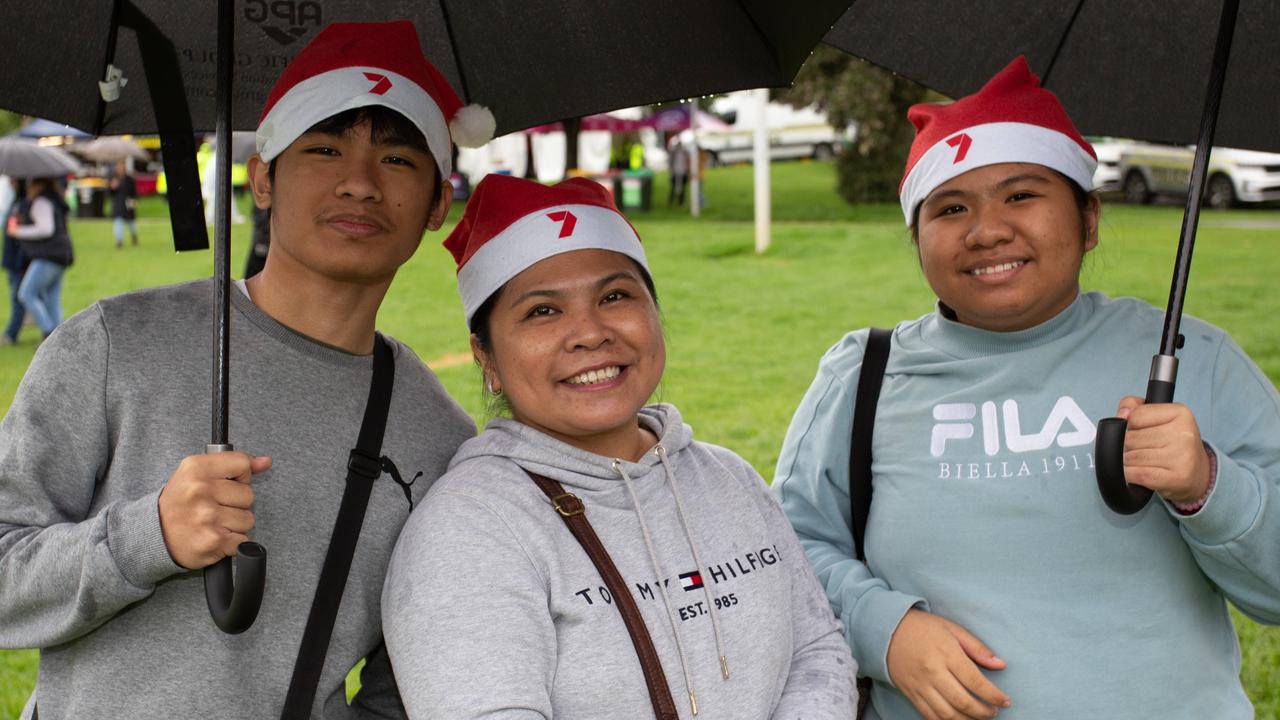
x,y
234,603
234,597
1119,495
1109,446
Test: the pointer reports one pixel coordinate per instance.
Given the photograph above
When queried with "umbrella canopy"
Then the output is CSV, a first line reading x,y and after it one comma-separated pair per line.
x,y
21,158
110,149
531,63
39,128
1124,68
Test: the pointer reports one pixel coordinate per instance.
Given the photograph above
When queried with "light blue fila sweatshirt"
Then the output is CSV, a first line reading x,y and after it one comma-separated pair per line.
x,y
493,610
986,511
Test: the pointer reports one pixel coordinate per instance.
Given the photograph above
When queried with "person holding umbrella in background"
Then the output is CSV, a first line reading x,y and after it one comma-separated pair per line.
x,y
492,604
104,508
39,224
996,580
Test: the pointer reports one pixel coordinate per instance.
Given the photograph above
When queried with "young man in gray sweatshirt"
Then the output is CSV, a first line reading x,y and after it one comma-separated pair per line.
x,y
105,512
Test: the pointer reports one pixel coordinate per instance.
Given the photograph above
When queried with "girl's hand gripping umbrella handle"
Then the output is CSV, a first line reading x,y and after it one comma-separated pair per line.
x,y
1119,495
234,598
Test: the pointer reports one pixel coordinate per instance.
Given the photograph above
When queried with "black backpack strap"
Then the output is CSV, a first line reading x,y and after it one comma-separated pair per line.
x,y
364,466
874,359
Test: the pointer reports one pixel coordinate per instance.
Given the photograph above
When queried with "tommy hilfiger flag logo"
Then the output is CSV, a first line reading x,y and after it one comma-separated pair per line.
x,y
691,580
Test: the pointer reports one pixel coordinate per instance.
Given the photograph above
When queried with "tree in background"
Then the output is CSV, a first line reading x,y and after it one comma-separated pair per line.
x,y
9,121
852,91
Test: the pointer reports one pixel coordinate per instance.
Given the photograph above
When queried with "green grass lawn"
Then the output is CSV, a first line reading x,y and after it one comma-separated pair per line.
x,y
744,331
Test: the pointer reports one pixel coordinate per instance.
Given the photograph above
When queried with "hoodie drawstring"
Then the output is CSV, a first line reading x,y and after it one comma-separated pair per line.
x,y
657,569
697,559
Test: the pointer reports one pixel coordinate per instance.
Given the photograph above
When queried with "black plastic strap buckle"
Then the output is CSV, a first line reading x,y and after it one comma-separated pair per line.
x,y
365,465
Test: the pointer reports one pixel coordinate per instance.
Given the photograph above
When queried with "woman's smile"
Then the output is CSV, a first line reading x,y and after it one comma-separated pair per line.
x,y
597,379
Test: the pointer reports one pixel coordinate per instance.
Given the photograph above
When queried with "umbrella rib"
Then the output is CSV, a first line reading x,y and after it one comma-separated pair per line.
x,y
453,48
1062,40
764,39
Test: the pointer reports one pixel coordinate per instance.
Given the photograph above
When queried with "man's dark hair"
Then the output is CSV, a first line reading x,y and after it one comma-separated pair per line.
x,y
386,126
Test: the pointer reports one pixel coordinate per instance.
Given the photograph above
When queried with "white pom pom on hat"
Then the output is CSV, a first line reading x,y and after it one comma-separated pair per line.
x,y
472,126
353,65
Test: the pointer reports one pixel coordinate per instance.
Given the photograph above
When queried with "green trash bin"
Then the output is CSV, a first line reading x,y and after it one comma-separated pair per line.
x,y
637,190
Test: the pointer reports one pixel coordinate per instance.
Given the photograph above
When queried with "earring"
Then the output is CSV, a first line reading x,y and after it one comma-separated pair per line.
x,y
488,384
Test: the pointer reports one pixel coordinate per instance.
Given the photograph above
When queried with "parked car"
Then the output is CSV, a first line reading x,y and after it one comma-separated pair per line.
x,y
1235,176
1106,178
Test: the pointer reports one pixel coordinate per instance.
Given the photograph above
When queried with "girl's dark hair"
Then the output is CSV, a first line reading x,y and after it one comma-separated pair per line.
x,y
386,127
480,320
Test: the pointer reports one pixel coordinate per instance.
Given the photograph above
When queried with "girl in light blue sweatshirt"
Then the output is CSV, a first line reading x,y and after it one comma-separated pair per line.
x,y
996,579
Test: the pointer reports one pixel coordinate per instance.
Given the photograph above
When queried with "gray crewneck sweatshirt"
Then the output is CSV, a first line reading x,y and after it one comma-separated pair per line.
x,y
111,403
493,610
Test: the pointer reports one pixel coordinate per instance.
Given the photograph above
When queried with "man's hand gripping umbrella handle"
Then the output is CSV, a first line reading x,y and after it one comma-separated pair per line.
x,y
235,596
1119,495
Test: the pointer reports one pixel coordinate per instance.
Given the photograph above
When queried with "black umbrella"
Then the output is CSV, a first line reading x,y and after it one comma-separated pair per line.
x,y
1131,68
530,62
154,66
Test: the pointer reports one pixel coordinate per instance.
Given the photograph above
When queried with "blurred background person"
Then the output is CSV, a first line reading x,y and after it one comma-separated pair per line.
x,y
124,203
39,223
14,263
678,161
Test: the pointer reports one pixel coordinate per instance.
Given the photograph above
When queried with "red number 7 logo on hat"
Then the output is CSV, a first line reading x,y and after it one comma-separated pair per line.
x,y
567,221
381,83
961,143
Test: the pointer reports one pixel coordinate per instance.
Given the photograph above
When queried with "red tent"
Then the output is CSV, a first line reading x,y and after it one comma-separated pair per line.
x,y
601,121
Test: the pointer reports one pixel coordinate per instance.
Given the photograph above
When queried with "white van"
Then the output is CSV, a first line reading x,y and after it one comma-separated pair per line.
x,y
793,133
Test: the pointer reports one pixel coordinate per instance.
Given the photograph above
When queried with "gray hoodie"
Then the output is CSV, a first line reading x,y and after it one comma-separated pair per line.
x,y
492,610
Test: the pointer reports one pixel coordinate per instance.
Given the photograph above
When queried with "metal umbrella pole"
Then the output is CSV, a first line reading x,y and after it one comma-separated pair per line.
x,y
233,601
1120,496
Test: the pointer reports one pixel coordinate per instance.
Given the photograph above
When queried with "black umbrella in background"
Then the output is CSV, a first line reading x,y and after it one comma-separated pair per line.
x,y
1129,68
141,66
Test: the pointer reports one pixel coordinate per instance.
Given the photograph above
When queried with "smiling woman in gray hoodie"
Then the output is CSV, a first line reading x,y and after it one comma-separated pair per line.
x,y
492,609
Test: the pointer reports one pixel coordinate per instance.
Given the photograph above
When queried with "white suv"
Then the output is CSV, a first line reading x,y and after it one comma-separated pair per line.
x,y
1107,178
1235,176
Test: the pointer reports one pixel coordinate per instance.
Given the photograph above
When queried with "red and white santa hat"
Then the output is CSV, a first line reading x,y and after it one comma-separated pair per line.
x,y
1011,119
350,65
510,224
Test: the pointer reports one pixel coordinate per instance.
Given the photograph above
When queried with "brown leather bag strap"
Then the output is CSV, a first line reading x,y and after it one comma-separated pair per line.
x,y
574,515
